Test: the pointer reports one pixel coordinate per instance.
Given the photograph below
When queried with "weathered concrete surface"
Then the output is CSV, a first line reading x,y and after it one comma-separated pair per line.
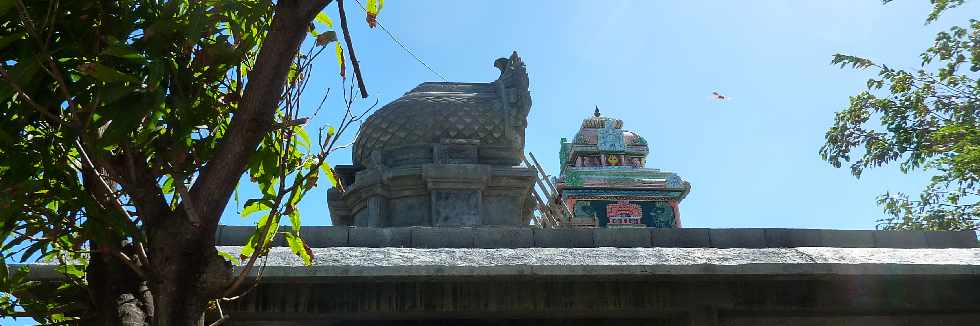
x,y
521,237
813,286
718,300
336,264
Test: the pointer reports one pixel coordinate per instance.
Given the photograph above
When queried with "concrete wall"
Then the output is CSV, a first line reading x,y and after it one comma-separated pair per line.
x,y
523,237
849,300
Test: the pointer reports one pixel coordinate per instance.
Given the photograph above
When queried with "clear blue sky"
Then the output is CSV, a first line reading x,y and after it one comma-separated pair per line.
x,y
752,160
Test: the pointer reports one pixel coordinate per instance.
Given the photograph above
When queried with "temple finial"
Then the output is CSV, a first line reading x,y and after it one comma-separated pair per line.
x,y
596,111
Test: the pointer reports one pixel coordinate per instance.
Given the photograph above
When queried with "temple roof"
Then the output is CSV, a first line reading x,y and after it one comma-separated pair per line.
x,y
599,134
604,155
490,114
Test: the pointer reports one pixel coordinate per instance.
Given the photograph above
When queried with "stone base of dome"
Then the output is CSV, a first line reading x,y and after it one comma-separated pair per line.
x,y
435,195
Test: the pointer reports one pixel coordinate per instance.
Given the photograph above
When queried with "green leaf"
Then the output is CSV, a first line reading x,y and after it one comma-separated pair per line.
x,y
123,52
73,270
304,138
298,247
228,257
255,206
294,220
168,185
328,171
341,61
105,73
324,19
267,221
373,8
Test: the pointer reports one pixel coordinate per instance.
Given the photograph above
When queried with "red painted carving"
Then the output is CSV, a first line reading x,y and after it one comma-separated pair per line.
x,y
623,212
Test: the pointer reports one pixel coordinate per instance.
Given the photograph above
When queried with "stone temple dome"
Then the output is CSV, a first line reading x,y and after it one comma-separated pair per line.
x,y
445,153
491,116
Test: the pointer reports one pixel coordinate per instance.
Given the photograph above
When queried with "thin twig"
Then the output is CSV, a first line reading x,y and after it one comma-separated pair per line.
x,y
186,198
129,262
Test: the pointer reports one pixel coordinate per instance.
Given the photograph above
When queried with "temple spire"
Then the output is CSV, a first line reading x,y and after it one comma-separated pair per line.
x,y
596,111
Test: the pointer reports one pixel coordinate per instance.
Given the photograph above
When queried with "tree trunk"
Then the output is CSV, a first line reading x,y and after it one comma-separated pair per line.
x,y
188,272
185,273
119,295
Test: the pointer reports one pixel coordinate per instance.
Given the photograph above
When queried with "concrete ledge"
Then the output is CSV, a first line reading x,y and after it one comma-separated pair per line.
x,y
503,237
380,237
903,239
737,238
523,237
848,238
622,237
792,238
680,238
340,263
961,239
325,236
351,262
564,238
447,237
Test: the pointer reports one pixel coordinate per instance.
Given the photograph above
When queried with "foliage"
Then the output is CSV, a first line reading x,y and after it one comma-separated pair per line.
x,y
112,113
928,120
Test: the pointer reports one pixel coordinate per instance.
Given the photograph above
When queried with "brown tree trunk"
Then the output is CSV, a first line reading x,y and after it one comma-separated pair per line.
x,y
119,295
188,272
185,272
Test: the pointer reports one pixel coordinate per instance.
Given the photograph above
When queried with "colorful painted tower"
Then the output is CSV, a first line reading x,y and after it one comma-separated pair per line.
x,y
605,183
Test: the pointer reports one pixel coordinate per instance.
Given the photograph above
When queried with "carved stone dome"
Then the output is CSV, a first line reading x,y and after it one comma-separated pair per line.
x,y
489,115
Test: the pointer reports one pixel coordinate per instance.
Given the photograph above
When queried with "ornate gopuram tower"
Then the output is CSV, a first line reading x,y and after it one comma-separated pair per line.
x,y
605,183
445,153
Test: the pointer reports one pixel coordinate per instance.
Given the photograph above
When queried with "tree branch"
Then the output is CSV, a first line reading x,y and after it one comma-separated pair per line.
x,y
255,115
350,49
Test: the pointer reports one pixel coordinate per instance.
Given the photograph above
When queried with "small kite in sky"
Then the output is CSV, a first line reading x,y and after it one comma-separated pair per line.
x,y
718,97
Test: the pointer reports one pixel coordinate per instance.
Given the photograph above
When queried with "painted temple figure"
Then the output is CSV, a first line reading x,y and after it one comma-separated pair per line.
x,y
605,182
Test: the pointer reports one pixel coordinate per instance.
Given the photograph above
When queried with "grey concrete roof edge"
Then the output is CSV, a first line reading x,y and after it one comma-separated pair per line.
x,y
360,262
508,237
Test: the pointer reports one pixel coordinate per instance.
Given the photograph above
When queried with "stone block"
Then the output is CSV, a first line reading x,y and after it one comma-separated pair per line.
x,y
455,207
959,239
325,236
737,238
442,237
847,238
564,238
380,237
500,209
680,238
233,235
792,238
503,237
900,239
409,211
627,237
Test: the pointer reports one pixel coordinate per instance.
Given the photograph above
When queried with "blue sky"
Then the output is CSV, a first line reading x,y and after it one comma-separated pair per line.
x,y
752,160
